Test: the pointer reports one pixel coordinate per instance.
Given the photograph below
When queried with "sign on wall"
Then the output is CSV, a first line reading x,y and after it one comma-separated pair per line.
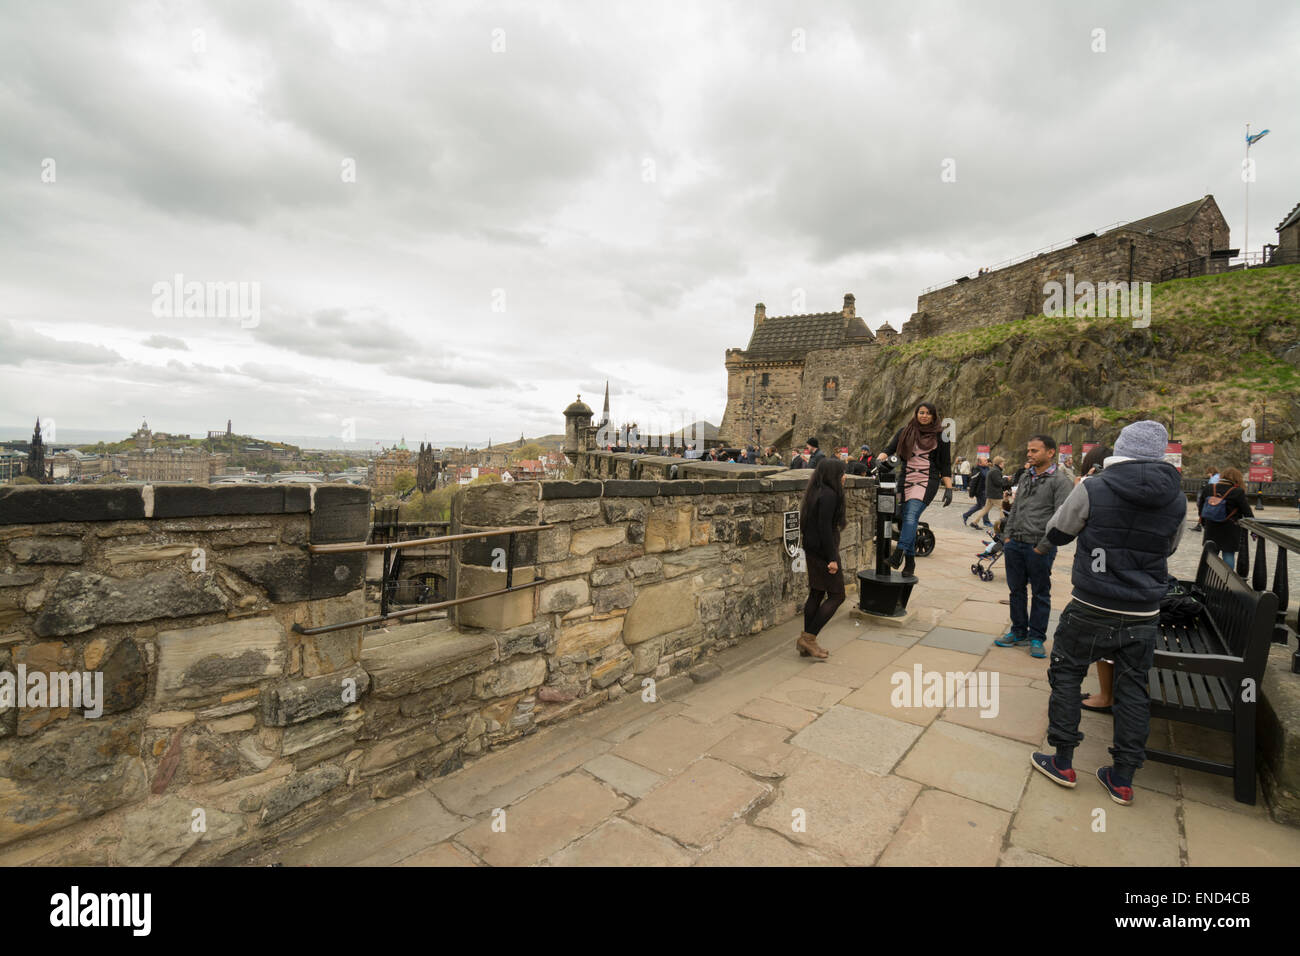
x,y
1261,461
798,562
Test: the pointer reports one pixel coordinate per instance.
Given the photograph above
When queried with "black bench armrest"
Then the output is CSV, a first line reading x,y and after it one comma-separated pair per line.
x,y
1215,665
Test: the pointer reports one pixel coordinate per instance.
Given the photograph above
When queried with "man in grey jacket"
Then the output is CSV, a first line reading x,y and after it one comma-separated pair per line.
x,y
1029,554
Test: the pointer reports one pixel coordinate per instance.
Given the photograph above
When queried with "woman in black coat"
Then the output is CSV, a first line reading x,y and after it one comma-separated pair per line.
x,y
1226,534
820,518
925,461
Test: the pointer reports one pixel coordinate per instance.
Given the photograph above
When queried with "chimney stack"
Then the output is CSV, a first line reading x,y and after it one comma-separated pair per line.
x,y
849,308
760,313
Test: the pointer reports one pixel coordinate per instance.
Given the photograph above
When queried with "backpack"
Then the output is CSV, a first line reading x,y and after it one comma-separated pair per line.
x,y
1182,603
977,484
1216,507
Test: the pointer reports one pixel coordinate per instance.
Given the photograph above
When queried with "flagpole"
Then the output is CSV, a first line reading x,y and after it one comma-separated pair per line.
x,y
1245,239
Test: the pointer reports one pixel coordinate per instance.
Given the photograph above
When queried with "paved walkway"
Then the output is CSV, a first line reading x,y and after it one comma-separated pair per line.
x,y
782,761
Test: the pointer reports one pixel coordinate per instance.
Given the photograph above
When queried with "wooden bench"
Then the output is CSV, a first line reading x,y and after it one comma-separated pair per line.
x,y
1209,672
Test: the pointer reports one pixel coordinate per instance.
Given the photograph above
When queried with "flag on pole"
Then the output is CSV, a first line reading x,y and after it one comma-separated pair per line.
x,y
1252,140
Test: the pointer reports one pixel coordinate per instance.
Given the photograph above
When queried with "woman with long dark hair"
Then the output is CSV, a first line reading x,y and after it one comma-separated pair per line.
x,y
926,461
1224,506
820,518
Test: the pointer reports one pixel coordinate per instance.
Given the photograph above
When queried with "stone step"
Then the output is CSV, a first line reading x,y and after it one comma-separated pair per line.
x,y
418,656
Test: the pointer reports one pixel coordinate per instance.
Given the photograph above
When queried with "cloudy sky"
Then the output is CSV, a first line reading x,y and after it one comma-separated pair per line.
x,y
456,216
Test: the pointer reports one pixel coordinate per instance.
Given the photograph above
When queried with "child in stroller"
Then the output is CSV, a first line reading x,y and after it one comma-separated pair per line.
x,y
992,551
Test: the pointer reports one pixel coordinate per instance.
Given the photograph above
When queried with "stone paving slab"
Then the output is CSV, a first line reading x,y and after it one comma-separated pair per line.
x,y
1016,660
1014,856
504,777
1094,753
954,639
652,713
718,698
699,804
1058,823
807,694
840,810
774,712
894,638
878,695
443,854
946,830
381,837
1021,714
859,738
747,845
756,748
543,822
623,775
969,763
671,745
1218,837
616,842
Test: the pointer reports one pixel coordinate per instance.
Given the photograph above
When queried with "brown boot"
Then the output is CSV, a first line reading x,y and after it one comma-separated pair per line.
x,y
808,646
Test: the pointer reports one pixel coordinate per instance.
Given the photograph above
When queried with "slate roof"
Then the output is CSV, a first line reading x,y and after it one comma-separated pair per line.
x,y
1293,217
795,335
1170,218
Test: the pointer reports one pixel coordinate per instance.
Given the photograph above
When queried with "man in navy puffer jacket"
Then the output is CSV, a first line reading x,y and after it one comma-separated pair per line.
x,y
1128,520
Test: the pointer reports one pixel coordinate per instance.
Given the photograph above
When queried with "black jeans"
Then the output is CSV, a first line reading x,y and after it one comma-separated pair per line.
x,y
817,612
1084,635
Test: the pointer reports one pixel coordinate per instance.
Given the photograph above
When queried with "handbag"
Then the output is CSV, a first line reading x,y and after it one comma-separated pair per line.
x,y
1216,508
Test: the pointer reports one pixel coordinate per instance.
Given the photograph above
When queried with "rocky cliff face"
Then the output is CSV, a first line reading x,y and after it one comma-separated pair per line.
x,y
1219,349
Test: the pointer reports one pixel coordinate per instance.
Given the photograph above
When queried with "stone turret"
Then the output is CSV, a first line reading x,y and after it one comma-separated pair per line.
x,y
850,309
577,419
760,313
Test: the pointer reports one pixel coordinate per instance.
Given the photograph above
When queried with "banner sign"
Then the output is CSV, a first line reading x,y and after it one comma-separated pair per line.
x,y
981,451
1174,454
1261,461
1089,446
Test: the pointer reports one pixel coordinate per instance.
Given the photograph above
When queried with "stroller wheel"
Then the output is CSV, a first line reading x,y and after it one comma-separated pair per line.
x,y
987,575
975,569
924,542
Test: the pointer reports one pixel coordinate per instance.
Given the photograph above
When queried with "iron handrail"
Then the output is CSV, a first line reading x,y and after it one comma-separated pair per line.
x,y
1264,531
423,542
391,546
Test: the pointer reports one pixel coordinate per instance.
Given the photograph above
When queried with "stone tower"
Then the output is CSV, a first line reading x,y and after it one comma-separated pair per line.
x,y
604,415
577,419
36,456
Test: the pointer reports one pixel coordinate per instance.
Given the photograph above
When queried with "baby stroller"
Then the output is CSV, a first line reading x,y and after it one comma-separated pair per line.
x,y
992,551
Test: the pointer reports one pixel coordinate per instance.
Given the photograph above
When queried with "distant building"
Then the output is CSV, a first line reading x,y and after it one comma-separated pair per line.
x,y
385,468
174,464
1288,236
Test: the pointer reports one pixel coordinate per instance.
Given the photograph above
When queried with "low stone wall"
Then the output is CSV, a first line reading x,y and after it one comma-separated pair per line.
x,y
181,599
643,578
604,465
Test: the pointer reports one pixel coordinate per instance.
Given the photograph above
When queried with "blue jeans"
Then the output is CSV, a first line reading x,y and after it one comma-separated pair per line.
x,y
907,526
1026,567
1229,558
1084,635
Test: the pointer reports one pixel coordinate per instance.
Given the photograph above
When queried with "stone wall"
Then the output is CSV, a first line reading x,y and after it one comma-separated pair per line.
x,y
182,600
752,405
815,414
1009,294
643,578
603,465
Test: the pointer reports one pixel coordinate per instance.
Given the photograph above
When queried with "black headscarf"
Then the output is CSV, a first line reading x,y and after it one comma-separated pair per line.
x,y
917,437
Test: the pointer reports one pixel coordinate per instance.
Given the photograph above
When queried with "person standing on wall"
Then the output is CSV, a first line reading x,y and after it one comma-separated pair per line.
x,y
821,517
927,462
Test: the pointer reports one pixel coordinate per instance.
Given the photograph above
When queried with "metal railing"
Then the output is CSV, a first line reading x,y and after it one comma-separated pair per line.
x,y
1285,534
1214,265
1016,260
390,547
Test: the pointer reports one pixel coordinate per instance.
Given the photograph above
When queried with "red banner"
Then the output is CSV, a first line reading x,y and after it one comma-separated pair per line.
x,y
981,450
1089,446
1174,454
1261,461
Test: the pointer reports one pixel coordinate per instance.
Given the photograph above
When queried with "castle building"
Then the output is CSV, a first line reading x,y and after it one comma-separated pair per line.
x,y
1136,252
796,375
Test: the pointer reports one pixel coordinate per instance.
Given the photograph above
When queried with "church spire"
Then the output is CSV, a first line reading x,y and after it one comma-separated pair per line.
x,y
604,415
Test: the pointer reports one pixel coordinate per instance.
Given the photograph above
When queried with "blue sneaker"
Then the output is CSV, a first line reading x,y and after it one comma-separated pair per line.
x,y
1012,639
1121,795
1036,648
1046,765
